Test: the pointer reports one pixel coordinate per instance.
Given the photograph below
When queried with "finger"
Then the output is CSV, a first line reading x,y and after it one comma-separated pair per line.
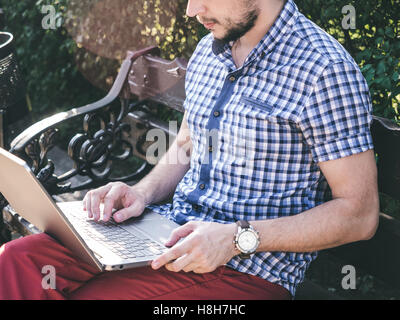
x,y
95,206
133,210
97,196
87,206
180,263
84,202
200,269
191,267
179,233
110,199
174,253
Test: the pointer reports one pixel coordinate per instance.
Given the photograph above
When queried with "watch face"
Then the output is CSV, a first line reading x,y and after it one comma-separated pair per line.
x,y
247,241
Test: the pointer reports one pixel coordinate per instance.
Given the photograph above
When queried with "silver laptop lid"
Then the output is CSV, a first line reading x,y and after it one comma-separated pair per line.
x,y
29,199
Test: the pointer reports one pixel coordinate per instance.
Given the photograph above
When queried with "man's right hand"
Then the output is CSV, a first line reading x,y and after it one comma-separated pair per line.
x,y
128,201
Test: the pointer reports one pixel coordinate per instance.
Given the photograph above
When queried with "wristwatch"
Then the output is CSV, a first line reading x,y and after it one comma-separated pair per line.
x,y
247,239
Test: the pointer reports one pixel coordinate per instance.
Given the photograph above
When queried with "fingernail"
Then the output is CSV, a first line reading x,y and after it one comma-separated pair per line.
x,y
168,243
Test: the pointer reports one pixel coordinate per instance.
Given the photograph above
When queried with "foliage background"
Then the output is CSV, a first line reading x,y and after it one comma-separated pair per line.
x,y
54,83
374,44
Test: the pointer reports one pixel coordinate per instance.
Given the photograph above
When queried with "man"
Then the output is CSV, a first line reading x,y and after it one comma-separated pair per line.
x,y
292,170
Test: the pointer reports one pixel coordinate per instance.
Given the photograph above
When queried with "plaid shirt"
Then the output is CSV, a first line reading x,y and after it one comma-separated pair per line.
x,y
299,99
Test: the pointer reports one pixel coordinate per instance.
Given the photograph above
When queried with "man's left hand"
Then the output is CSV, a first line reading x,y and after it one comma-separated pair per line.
x,y
207,245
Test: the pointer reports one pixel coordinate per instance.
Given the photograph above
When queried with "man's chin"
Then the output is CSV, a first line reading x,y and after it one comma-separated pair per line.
x,y
227,36
220,38
217,36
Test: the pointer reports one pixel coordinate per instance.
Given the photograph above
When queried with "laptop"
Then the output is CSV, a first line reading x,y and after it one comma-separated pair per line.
x,y
108,246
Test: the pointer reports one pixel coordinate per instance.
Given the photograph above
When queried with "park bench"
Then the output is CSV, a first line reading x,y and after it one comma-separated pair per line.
x,y
113,130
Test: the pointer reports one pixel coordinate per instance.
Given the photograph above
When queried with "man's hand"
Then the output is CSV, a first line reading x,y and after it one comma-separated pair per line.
x,y
129,202
207,245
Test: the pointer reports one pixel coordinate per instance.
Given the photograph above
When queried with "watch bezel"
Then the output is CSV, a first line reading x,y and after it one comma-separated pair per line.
x,y
241,231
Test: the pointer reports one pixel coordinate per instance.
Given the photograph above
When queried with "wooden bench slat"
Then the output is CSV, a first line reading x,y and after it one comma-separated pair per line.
x,y
160,80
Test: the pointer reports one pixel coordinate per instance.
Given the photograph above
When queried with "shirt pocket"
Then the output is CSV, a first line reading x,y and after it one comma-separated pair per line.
x,y
257,104
265,132
269,112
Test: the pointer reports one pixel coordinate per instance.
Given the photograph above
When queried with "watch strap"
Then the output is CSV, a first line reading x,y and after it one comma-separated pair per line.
x,y
244,256
243,224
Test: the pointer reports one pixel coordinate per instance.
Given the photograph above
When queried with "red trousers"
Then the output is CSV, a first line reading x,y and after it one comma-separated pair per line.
x,y
21,277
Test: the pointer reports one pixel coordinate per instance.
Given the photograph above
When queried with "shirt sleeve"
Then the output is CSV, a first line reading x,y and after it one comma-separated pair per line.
x,y
337,118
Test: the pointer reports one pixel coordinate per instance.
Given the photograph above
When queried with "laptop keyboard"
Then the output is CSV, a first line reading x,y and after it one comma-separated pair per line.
x,y
116,239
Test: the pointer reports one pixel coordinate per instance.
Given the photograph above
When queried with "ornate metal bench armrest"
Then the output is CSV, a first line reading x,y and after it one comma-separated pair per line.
x,y
92,153
23,139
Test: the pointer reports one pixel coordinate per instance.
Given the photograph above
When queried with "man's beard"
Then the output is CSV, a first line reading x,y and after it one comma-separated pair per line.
x,y
240,29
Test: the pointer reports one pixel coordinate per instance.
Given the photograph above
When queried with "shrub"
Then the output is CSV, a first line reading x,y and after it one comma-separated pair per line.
x,y
54,82
375,44
46,58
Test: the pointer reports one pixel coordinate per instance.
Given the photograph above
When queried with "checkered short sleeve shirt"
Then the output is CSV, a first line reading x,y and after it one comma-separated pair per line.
x,y
259,132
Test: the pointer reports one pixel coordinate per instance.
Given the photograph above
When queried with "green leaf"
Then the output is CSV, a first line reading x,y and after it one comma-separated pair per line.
x,y
380,32
367,68
379,40
369,75
386,83
381,68
386,46
389,32
364,55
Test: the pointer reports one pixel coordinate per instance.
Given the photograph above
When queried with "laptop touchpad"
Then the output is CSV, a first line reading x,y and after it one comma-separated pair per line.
x,y
156,226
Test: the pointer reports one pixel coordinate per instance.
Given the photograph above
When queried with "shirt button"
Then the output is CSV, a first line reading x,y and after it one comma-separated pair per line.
x,y
232,78
210,149
216,113
195,207
202,186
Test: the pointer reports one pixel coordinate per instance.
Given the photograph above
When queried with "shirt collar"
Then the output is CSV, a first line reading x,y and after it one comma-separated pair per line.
x,y
281,26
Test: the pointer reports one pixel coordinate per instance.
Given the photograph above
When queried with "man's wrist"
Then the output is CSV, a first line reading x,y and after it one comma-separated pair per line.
x,y
231,231
146,195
